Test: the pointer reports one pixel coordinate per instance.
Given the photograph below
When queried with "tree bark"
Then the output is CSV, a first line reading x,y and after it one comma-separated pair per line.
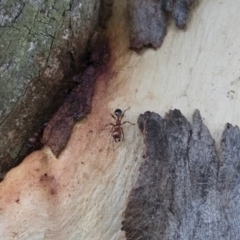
x,y
79,101
42,46
184,191
148,20
84,192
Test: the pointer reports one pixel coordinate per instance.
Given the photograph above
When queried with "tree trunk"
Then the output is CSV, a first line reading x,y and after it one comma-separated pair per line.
x,y
89,191
42,45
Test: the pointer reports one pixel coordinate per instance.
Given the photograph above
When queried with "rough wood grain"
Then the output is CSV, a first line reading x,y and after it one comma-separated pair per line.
x,y
148,20
182,192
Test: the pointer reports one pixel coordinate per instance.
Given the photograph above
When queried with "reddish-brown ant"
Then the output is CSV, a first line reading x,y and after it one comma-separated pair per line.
x,y
117,131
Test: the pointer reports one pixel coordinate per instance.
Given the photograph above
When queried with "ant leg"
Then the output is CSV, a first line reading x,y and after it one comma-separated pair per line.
x,y
110,124
122,134
127,122
124,113
114,117
112,129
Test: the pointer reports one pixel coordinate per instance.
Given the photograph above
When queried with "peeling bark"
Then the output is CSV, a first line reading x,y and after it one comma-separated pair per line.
x,y
43,44
74,108
181,191
78,103
148,20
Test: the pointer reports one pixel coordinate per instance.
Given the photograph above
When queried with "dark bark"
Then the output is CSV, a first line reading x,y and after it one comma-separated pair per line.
x,y
43,45
184,191
105,12
74,108
78,103
148,20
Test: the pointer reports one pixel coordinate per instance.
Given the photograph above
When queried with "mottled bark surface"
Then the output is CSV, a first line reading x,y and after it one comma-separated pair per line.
x,y
149,18
42,44
184,191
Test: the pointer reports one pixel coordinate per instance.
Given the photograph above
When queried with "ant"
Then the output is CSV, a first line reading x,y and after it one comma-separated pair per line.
x,y
117,131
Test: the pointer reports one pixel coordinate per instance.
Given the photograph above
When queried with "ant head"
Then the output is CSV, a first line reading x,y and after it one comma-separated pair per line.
x,y
118,112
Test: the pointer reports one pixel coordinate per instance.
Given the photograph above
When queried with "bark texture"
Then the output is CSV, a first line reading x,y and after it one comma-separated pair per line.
x,y
184,191
42,44
75,107
148,20
79,101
